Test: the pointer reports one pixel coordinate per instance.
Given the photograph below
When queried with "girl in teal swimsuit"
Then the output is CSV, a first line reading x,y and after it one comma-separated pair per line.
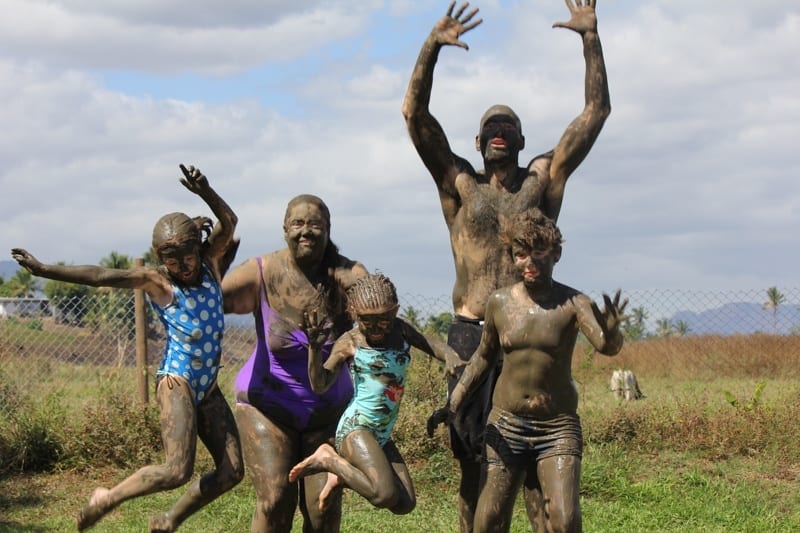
x,y
185,292
377,352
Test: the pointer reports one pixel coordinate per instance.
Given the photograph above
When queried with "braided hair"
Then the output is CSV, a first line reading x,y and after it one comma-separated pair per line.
x,y
374,291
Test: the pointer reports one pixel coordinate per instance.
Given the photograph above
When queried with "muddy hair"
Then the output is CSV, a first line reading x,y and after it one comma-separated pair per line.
x,y
500,110
374,291
532,229
175,229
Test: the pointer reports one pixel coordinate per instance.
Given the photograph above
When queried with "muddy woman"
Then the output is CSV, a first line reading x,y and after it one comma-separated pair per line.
x,y
280,417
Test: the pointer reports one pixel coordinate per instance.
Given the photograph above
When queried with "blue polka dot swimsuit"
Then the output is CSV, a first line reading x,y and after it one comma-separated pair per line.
x,y
194,322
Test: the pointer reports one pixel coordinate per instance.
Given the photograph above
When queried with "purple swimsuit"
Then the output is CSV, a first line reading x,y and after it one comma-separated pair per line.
x,y
277,383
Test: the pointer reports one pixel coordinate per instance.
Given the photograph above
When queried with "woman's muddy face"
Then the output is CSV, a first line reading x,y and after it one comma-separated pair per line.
x,y
182,262
306,232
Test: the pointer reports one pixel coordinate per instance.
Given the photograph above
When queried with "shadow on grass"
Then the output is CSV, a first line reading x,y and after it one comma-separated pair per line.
x,y
26,500
17,527
13,502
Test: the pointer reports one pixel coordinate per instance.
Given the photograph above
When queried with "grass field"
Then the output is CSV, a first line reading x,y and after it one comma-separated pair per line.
x,y
712,447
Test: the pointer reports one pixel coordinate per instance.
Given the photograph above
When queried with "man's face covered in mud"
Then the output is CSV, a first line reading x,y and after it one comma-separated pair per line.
x,y
500,136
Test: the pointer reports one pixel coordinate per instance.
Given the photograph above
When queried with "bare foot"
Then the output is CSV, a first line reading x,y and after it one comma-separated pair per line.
x,y
161,524
331,484
313,463
97,507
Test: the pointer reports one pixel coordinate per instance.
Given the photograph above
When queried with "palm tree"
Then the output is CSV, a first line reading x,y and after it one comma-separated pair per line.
x,y
116,260
681,328
639,315
113,312
633,328
411,315
23,284
774,300
439,324
150,258
663,327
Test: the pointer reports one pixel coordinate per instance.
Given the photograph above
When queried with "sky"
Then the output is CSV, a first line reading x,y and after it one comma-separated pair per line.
x,y
692,183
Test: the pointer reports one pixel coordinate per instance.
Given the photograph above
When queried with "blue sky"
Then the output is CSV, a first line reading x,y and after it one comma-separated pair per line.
x,y
692,184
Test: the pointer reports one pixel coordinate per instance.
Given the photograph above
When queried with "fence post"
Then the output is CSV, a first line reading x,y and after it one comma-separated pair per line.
x,y
141,340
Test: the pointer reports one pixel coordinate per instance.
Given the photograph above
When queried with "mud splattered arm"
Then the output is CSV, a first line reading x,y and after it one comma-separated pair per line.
x,y
602,328
582,132
425,131
147,279
240,288
433,346
323,376
222,245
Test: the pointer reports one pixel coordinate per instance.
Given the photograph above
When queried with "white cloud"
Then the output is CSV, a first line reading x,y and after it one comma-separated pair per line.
x,y
168,38
691,184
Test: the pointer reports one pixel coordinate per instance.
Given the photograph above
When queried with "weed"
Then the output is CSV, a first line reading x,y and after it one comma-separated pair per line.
x,y
752,403
30,441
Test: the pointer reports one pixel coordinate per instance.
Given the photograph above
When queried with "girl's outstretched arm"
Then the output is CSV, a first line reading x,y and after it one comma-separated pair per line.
x,y
433,346
154,284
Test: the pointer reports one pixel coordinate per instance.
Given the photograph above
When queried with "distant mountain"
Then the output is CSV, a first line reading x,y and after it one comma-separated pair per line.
x,y
740,317
8,268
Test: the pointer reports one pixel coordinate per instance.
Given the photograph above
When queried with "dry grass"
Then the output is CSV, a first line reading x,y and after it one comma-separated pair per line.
x,y
707,357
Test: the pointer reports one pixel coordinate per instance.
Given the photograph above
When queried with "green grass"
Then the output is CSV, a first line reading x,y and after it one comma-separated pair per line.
x,y
704,451
621,491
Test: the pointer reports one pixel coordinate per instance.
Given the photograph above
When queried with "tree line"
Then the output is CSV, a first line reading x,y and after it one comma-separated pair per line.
x,y
71,302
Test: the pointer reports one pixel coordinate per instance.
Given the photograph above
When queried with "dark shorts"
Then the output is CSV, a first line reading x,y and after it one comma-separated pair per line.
x,y
513,440
468,428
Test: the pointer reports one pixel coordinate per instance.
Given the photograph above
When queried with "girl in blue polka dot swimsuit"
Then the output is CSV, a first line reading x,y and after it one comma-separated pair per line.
x,y
194,322
185,292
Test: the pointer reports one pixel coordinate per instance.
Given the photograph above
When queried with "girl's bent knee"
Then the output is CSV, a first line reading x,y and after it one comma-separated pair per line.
x,y
385,499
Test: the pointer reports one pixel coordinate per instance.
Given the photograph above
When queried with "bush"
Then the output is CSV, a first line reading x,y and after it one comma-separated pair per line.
x,y
426,390
115,431
29,440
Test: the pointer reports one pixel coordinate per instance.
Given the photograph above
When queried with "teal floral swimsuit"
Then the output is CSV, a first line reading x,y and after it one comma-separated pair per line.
x,y
379,377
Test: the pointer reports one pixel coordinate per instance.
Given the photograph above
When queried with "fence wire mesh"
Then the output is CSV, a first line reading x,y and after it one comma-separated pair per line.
x,y
50,346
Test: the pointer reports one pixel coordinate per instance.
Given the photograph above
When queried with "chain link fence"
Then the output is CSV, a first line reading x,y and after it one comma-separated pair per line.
x,y
72,346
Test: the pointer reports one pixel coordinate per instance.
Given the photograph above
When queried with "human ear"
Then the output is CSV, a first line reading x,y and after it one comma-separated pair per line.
x,y
478,143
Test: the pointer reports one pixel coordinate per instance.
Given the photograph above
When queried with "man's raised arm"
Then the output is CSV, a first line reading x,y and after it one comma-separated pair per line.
x,y
426,133
582,132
